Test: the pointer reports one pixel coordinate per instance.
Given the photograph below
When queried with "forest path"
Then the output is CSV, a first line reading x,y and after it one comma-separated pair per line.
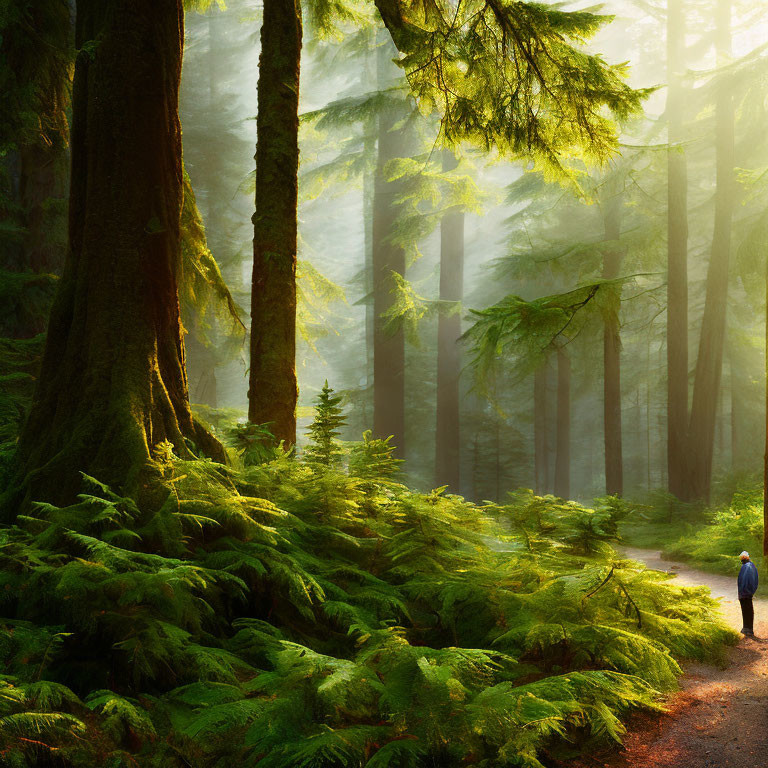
x,y
719,717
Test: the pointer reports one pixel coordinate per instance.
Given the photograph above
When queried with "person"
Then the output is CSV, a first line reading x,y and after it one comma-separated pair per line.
x,y
747,584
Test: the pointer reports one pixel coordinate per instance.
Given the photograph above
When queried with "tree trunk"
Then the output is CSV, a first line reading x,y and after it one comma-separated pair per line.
x,y
677,255
368,80
540,436
368,284
272,390
709,363
448,445
563,456
113,383
388,344
736,419
614,466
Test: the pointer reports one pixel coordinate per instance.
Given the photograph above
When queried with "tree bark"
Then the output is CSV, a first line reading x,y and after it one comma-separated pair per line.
x,y
447,437
388,344
113,383
273,390
563,455
540,430
709,363
677,255
614,466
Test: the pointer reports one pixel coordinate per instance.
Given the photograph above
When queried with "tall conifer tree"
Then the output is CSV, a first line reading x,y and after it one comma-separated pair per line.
x,y
272,389
709,362
113,384
447,436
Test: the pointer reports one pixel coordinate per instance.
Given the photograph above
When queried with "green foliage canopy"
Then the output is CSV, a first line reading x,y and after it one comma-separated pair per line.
x,y
512,75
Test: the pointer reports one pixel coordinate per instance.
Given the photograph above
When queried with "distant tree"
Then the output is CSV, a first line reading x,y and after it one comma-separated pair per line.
x,y
216,153
36,52
448,417
709,362
35,56
677,253
394,139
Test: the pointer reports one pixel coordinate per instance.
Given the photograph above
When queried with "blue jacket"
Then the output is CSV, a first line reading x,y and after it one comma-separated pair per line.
x,y
747,579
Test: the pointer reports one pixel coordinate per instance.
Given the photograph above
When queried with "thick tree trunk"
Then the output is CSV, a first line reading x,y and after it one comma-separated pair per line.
x,y
273,390
677,255
709,363
563,456
540,430
614,465
388,344
447,438
113,383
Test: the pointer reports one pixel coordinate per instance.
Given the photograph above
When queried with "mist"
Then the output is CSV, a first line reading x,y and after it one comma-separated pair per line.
x,y
525,234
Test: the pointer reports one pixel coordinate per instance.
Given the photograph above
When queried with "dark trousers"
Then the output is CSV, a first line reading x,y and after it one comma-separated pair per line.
x,y
747,612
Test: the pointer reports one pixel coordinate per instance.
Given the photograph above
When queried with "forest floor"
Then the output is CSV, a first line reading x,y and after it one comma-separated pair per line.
x,y
719,717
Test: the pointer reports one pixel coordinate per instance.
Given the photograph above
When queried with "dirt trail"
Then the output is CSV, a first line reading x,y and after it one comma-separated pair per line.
x,y
719,718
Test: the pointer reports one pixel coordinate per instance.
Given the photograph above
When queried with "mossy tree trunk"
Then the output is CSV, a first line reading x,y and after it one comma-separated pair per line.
x,y
447,436
273,390
677,255
113,383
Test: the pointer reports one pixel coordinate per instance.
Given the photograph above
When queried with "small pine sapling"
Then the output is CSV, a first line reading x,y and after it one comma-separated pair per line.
x,y
324,447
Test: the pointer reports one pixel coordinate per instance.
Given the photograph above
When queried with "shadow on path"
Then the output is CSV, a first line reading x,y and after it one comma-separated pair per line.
x,y
719,718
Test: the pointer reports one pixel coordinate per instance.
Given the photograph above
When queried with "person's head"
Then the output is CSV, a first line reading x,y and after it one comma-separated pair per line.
x,y
744,556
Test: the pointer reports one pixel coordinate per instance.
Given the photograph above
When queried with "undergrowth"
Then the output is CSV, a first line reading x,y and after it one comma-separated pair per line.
x,y
316,613
727,530
708,538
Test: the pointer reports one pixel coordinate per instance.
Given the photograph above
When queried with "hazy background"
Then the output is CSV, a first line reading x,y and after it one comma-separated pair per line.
x,y
509,249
